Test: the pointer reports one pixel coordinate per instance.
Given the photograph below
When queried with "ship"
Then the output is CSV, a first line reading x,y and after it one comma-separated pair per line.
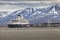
x,y
19,22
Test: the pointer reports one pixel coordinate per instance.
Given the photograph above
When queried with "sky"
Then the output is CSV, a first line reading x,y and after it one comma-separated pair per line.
x,y
13,5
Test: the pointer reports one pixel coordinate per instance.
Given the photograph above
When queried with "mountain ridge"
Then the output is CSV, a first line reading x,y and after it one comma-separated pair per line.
x,y
35,15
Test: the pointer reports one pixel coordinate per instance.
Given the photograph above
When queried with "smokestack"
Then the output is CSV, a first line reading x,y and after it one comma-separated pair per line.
x,y
19,17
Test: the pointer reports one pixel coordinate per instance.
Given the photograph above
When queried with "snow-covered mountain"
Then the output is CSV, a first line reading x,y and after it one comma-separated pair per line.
x,y
36,15
51,14
4,13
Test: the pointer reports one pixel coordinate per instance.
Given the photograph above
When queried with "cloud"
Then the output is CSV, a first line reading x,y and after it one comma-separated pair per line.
x,y
16,5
